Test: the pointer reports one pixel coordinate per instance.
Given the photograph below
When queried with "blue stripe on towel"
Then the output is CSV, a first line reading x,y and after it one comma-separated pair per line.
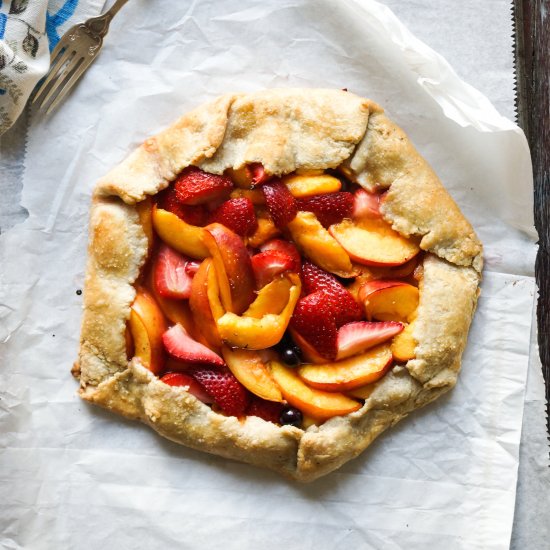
x,y
3,19
53,22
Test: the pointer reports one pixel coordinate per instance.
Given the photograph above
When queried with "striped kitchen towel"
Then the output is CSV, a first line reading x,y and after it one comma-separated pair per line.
x,y
29,30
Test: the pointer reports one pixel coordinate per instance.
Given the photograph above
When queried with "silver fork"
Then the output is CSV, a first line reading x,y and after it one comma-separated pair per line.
x,y
73,54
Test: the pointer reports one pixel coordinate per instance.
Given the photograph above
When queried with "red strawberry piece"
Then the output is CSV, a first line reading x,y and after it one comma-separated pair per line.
x,y
181,346
268,410
193,215
313,319
195,186
286,247
193,387
329,208
355,338
236,214
267,265
280,203
228,393
170,275
192,267
256,173
366,205
345,308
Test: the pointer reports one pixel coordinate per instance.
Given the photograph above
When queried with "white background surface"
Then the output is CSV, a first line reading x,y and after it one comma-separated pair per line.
x,y
100,430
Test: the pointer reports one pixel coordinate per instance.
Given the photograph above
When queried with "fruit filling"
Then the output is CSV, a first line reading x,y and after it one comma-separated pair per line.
x,y
281,298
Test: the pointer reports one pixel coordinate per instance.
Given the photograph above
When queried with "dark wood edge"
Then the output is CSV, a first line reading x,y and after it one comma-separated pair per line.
x,y
533,107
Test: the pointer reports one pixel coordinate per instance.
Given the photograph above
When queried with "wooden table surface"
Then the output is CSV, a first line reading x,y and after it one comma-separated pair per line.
x,y
533,104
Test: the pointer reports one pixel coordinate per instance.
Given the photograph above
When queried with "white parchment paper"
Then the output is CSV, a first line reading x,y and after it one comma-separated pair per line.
x,y
73,476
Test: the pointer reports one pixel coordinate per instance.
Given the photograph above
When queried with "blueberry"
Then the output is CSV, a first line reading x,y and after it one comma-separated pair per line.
x,y
291,417
291,357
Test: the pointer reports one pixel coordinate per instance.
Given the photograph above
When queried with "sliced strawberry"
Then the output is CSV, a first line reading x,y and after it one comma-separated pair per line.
x,y
193,387
195,186
267,265
181,346
257,173
330,208
288,248
192,267
280,203
170,275
268,410
236,214
366,205
228,393
193,215
355,338
313,319
345,308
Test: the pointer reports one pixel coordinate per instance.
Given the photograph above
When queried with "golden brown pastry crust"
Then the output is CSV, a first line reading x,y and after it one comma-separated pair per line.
x,y
284,130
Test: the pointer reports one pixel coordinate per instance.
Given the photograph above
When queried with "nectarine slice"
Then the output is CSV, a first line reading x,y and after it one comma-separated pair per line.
x,y
373,242
252,333
349,373
357,337
252,373
266,230
306,185
233,267
404,345
199,302
183,237
316,403
272,298
362,392
255,196
147,325
145,213
386,300
318,245
308,351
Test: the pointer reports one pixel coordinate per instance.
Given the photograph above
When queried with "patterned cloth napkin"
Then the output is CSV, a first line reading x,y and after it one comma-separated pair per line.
x,y
29,30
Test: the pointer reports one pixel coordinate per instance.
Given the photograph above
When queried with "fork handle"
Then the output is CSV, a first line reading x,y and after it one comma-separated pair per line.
x,y
100,24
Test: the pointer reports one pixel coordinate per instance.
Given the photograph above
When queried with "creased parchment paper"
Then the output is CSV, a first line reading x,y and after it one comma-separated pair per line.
x,y
74,476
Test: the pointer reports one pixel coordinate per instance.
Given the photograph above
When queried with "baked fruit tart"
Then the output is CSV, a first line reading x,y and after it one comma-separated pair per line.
x,y
276,278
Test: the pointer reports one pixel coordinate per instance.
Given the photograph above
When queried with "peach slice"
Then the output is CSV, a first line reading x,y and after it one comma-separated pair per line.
x,y
252,373
362,392
313,402
349,373
145,213
185,238
366,205
404,345
355,338
308,351
233,267
255,196
266,230
147,325
319,246
253,333
272,298
307,185
386,300
248,176
205,281
373,242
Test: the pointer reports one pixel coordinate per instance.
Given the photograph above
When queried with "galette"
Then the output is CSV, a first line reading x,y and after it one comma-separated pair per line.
x,y
276,278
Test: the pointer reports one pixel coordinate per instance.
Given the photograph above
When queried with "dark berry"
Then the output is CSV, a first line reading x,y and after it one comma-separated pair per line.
x,y
291,417
290,357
